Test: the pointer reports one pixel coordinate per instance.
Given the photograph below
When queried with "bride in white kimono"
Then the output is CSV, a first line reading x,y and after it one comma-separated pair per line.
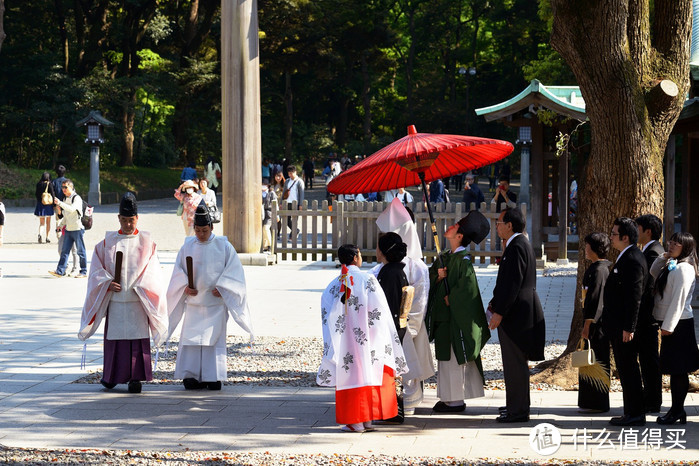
x,y
219,289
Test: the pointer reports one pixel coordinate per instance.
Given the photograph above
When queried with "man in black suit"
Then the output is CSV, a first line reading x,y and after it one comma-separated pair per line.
x,y
517,314
650,228
622,301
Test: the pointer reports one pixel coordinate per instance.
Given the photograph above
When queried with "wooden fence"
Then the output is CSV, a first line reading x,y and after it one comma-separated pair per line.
x,y
322,228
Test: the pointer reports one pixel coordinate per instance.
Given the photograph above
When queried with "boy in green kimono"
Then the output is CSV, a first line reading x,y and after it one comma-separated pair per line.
x,y
456,321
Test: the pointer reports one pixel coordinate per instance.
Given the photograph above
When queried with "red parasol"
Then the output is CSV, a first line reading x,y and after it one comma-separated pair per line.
x,y
416,159
434,156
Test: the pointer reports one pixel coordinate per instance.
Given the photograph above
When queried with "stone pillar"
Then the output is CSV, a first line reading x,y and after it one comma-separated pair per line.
x,y
240,129
524,176
94,196
563,209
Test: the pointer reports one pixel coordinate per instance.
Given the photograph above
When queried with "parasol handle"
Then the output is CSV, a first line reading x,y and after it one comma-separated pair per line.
x,y
190,272
421,175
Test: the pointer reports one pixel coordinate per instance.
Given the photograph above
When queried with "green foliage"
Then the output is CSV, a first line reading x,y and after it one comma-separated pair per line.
x,y
340,65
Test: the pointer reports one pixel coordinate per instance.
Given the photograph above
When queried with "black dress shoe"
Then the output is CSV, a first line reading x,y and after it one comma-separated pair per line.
x,y
193,384
134,386
653,409
214,385
442,407
627,420
671,418
107,385
509,418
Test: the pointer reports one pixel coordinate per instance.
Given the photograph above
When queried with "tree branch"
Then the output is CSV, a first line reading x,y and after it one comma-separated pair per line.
x,y
671,31
638,32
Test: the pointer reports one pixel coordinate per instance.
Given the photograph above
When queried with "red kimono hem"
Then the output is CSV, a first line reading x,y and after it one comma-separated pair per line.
x,y
363,404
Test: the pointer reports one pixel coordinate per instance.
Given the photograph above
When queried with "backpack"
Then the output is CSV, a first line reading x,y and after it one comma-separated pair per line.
x,y
86,215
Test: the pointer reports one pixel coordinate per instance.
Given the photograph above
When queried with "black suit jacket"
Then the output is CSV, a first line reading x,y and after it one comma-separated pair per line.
x,y
515,299
623,293
645,314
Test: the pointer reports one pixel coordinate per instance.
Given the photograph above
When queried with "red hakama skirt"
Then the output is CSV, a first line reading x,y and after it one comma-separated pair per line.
x,y
363,404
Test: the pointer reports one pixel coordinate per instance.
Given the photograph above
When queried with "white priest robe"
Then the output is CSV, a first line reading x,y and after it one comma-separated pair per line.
x,y
359,337
140,306
417,351
395,218
202,349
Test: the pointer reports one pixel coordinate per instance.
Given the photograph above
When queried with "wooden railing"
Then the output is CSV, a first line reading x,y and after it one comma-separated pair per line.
x,y
322,228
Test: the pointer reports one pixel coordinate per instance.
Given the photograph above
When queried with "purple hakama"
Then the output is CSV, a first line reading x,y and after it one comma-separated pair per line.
x,y
126,360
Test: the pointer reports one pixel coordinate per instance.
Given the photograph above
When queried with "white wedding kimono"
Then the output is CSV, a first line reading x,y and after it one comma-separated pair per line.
x,y
395,218
202,349
359,337
141,305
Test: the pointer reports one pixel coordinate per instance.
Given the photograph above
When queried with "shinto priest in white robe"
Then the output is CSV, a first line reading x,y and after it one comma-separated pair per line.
x,y
359,342
137,312
417,350
202,349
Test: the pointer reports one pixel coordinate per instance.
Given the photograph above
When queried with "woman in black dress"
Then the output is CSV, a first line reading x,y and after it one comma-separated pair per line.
x,y
593,393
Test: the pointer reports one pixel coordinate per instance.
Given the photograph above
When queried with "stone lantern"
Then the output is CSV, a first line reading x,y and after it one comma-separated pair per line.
x,y
94,123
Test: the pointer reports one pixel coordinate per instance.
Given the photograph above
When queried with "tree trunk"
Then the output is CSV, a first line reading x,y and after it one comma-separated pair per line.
x,y
2,26
63,33
288,115
127,119
366,103
197,27
617,62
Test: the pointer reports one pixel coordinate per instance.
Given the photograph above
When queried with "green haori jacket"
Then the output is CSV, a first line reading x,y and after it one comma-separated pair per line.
x,y
462,325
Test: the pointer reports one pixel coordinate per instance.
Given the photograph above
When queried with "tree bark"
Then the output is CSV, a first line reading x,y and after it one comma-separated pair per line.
x,y
2,25
617,62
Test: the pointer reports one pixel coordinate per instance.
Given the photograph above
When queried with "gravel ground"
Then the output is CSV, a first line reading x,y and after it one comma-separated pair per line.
x,y
293,361
204,458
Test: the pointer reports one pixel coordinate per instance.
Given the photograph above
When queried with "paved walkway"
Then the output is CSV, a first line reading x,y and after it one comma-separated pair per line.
x,y
40,357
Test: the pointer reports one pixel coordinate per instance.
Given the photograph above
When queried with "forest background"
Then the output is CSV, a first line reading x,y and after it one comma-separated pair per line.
x,y
336,76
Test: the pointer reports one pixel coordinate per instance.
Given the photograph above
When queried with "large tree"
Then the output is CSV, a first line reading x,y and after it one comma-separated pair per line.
x,y
631,62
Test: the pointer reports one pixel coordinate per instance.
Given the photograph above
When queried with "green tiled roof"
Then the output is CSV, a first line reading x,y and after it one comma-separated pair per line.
x,y
564,100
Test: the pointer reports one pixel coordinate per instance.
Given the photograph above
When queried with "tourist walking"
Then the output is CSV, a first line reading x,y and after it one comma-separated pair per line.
x,y
44,205
72,211
189,199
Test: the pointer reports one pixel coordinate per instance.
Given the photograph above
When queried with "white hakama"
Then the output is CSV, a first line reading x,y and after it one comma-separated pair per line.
x,y
201,354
